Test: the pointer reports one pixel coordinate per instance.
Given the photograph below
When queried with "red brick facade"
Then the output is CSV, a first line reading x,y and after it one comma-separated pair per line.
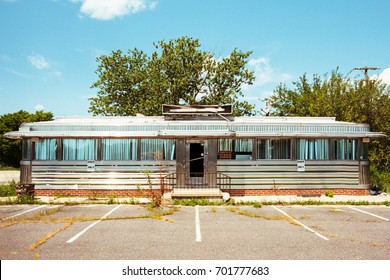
x,y
237,192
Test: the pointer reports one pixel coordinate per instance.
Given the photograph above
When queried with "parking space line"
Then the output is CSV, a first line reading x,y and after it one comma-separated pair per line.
x,y
298,222
24,212
368,213
197,225
92,225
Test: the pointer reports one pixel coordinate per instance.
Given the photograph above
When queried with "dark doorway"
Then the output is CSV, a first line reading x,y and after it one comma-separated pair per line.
x,y
196,159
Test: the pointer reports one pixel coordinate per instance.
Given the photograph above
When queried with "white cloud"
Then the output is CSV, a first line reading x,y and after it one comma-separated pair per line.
x,y
106,10
384,76
265,73
38,61
39,107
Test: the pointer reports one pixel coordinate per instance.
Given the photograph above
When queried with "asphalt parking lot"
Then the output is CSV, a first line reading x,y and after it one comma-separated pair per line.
x,y
123,232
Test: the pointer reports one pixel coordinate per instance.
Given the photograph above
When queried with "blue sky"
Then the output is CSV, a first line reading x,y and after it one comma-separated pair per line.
x,y
48,47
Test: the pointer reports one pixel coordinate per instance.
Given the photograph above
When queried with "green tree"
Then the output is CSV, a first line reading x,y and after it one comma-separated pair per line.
x,y
177,72
11,150
346,99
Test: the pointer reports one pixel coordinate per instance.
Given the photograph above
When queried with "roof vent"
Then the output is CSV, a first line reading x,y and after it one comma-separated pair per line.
x,y
196,111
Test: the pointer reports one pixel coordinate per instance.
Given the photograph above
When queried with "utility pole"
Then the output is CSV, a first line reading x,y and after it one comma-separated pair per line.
x,y
365,70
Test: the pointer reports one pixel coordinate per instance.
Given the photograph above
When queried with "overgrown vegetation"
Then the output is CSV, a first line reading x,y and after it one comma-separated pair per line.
x,y
348,99
11,150
8,190
176,72
329,193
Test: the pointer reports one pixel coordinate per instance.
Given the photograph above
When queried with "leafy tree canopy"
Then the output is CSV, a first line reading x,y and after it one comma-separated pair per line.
x,y
177,72
342,97
11,150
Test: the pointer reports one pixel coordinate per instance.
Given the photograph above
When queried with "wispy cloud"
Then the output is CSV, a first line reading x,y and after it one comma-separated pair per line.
x,y
17,73
106,10
265,73
38,61
6,58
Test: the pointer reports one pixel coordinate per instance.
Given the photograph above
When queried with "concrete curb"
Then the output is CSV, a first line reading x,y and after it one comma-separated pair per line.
x,y
337,199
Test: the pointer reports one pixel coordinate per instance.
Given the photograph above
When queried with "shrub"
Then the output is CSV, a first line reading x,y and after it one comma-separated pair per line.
x,y
8,190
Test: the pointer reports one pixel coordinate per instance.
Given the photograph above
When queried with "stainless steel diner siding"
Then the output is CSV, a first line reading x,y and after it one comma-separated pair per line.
x,y
239,125
108,175
208,127
284,175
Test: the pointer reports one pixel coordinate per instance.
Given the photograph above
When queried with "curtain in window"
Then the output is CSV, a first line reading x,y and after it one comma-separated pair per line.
x,y
312,149
157,149
243,145
46,149
273,149
225,145
79,149
119,149
345,149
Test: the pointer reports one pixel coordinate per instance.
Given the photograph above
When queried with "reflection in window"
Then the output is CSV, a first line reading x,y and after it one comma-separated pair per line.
x,y
273,149
312,149
158,149
119,149
79,149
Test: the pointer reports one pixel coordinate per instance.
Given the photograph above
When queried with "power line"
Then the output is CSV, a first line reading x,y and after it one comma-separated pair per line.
x,y
365,70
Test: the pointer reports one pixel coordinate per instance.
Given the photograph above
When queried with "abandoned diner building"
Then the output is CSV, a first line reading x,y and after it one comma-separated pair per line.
x,y
195,148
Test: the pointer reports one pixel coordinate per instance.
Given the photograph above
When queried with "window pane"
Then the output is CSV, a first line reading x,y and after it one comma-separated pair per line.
x,y
158,149
119,149
273,149
312,149
46,149
243,149
26,154
345,149
364,151
79,149
225,148
240,149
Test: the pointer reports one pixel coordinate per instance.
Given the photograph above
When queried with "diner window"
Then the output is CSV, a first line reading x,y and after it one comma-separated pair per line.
x,y
158,149
79,149
345,149
273,149
363,151
46,149
239,149
119,149
26,149
312,149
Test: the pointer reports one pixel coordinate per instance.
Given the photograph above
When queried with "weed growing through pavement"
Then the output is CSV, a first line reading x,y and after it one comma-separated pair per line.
x,y
45,217
335,210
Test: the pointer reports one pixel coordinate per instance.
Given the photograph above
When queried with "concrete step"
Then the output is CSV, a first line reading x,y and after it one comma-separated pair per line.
x,y
196,192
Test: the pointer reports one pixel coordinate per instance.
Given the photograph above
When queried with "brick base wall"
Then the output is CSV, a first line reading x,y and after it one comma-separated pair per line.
x,y
248,192
241,192
96,193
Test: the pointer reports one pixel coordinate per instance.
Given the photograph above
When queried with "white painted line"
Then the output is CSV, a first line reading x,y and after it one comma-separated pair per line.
x,y
298,222
197,225
92,225
24,212
368,213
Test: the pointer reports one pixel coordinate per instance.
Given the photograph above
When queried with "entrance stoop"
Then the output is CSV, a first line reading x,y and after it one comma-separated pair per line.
x,y
211,193
214,194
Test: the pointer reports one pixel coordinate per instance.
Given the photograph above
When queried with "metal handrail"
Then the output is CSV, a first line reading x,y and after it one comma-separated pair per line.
x,y
205,180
